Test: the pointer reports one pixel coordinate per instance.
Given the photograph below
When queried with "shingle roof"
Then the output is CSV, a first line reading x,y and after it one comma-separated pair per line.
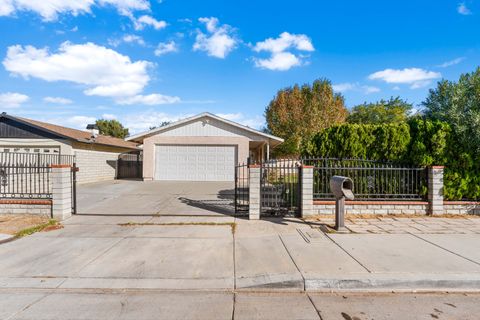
x,y
79,135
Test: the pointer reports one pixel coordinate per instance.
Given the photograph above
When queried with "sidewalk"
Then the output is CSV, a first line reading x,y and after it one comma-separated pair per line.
x,y
206,253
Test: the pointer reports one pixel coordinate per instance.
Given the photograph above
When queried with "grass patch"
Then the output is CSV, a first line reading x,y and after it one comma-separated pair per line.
x,y
52,224
232,225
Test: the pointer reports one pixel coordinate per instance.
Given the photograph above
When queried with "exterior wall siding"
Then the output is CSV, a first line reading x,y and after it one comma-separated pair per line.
x,y
212,128
64,145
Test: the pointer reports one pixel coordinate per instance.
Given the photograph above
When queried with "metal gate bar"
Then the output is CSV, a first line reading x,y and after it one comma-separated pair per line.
x,y
242,188
280,187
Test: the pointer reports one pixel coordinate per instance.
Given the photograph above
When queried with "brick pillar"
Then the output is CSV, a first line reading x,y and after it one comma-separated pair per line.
x,y
61,192
254,192
306,193
435,190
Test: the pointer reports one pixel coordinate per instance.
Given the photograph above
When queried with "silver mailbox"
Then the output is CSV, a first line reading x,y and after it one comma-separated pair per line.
x,y
342,187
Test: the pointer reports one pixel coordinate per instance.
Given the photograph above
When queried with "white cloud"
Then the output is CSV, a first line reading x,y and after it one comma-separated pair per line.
x,y
139,122
463,9
415,77
150,99
166,47
103,71
12,99
57,100
132,38
50,9
347,86
219,41
451,62
77,122
255,122
146,20
109,116
281,58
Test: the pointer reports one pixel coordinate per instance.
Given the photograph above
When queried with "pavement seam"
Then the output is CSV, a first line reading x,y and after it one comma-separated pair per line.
x,y
313,304
348,253
30,304
293,261
439,246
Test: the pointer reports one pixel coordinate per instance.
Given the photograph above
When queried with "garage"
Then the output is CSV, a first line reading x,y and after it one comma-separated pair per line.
x,y
195,163
204,147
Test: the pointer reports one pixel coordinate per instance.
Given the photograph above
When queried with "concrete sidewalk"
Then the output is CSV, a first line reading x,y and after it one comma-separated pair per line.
x,y
203,253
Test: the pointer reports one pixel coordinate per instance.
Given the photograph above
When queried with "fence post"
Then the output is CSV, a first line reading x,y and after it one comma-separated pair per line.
x,y
61,192
435,190
254,192
306,193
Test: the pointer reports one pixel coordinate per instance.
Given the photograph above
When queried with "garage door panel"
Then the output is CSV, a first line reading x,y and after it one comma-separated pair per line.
x,y
195,162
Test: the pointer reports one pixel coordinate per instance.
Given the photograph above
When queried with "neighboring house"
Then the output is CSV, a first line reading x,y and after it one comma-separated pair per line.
x,y
201,148
95,157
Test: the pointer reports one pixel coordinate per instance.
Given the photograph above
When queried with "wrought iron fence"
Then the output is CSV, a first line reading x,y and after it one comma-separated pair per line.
x,y
242,188
31,159
372,179
280,186
20,182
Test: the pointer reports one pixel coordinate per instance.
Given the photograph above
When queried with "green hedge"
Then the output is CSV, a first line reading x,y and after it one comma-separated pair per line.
x,y
419,142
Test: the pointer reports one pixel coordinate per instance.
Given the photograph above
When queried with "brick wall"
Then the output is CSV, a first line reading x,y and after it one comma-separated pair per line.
x,y
461,207
373,207
95,165
37,207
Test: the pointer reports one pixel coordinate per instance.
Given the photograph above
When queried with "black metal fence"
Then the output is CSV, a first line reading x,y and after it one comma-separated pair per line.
x,y
25,182
242,188
373,180
280,187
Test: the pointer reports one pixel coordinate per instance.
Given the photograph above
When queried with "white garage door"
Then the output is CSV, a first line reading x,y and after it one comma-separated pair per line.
x,y
195,163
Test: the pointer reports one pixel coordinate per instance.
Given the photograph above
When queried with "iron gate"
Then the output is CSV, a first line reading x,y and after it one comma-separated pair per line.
x,y
280,187
242,189
130,166
73,181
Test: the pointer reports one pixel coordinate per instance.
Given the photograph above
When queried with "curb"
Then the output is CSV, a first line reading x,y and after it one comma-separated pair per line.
x,y
6,237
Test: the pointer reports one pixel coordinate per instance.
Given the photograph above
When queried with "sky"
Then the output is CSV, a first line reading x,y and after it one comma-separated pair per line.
x,y
144,62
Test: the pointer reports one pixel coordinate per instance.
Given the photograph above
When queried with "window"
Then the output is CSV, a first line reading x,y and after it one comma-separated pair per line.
x,y
6,150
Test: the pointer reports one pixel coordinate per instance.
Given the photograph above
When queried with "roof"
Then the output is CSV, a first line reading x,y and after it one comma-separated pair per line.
x,y
74,134
139,137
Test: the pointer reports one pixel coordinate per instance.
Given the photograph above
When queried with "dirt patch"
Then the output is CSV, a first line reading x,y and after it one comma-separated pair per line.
x,y
14,223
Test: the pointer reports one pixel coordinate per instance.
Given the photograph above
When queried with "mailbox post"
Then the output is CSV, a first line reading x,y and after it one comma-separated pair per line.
x,y
342,188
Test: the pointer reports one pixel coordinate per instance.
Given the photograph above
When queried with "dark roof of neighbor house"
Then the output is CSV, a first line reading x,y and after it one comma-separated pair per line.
x,y
74,134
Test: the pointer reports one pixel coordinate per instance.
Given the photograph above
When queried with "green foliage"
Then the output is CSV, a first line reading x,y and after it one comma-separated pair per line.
x,y
367,141
112,128
394,110
299,112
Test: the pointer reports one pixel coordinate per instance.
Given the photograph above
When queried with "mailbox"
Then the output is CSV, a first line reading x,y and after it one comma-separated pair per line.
x,y
342,187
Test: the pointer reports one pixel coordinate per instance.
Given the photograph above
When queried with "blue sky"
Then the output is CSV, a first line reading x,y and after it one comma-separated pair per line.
x,y
144,62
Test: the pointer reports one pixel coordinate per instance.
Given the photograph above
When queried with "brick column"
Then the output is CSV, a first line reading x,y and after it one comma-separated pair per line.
x,y
61,192
306,193
435,190
254,192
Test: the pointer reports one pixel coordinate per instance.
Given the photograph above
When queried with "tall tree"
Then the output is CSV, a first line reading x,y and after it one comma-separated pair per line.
x,y
394,110
299,112
458,104
112,128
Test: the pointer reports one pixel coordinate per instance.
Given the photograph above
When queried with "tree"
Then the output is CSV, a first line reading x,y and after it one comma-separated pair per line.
x,y
394,110
163,124
297,113
458,104
112,128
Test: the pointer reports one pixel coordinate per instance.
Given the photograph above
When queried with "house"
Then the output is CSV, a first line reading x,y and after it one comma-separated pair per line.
x,y
204,147
96,156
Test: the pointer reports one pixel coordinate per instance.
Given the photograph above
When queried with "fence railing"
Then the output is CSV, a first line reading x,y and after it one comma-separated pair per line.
x,y
25,182
242,188
31,159
372,179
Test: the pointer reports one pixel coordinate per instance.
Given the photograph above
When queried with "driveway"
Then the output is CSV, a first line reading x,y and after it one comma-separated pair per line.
x,y
128,197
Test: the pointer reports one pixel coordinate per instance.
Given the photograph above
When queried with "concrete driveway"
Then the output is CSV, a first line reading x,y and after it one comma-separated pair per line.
x,y
129,197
